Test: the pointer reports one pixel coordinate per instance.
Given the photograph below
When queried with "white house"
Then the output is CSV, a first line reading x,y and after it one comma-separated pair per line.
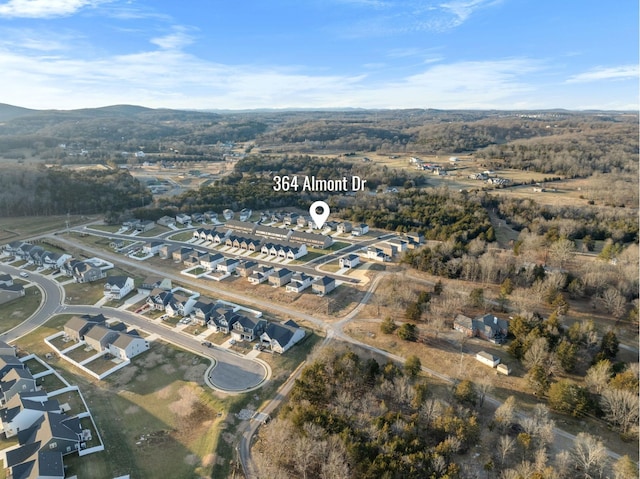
x,y
299,282
228,265
359,230
183,219
281,337
349,261
117,287
376,254
152,247
126,346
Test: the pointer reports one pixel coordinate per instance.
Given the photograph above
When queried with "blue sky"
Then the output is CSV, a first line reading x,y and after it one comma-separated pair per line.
x,y
208,54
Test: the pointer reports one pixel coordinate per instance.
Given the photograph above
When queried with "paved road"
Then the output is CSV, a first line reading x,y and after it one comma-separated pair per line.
x,y
232,372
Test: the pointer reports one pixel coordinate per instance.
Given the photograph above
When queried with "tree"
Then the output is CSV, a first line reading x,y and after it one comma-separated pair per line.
x,y
569,398
538,379
598,376
476,297
484,386
506,288
506,444
505,413
437,288
413,311
408,332
560,304
625,468
589,456
412,366
609,345
567,354
588,243
620,408
613,302
561,251
465,393
537,354
388,325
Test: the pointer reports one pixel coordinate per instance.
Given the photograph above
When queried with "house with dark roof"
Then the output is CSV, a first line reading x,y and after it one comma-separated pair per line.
x,y
311,239
54,432
261,274
349,261
152,282
299,282
281,337
224,319
6,349
323,285
99,337
78,326
271,232
246,268
152,247
9,362
24,409
247,328
240,227
18,380
280,277
203,310
181,254
166,250
82,271
11,292
488,327
33,462
228,265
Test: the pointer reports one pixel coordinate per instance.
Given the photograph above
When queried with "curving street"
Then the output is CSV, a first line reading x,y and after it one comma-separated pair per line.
x,y
231,372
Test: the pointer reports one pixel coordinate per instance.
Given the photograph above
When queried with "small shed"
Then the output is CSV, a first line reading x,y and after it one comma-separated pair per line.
x,y
503,369
488,359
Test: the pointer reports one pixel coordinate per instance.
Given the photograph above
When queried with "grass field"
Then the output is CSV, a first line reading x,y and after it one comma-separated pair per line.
x,y
13,229
16,311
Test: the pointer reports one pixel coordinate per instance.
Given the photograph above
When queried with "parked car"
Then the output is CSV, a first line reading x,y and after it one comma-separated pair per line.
x,y
24,275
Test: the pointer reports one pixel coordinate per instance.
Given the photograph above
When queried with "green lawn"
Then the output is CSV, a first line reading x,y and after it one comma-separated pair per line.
x,y
106,228
184,236
84,293
51,383
35,367
73,400
16,311
81,353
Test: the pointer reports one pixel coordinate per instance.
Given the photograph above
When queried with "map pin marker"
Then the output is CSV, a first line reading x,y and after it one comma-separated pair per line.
x,y
319,218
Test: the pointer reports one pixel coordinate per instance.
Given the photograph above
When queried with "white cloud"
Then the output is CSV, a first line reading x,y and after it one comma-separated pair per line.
x,y
624,72
43,8
461,10
176,40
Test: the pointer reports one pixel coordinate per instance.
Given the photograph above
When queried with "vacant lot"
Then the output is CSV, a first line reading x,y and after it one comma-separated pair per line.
x,y
16,311
13,229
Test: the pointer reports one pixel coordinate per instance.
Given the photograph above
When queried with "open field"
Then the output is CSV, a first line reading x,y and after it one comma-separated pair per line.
x,y
13,229
16,311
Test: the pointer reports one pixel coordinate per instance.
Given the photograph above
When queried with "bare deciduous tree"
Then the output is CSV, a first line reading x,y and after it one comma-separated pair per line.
x,y
613,302
537,354
589,456
506,445
598,375
505,413
621,408
484,386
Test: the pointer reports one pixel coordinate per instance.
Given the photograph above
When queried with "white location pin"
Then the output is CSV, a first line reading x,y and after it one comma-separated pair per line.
x,y
319,218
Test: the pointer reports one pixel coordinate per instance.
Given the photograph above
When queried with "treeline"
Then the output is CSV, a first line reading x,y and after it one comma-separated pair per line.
x,y
579,152
350,417
573,222
54,191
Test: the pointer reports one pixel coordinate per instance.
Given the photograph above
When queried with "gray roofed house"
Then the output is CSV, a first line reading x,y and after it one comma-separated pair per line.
x,y
247,328
6,279
16,381
9,362
239,227
323,285
11,292
280,277
99,337
246,268
7,349
311,239
281,337
77,326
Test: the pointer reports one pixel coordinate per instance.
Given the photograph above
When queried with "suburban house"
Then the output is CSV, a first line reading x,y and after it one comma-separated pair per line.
x,y
261,274
345,227
23,410
376,254
204,309
323,285
280,337
9,292
247,328
415,239
18,380
228,265
290,219
54,433
197,218
211,216
284,250
359,230
179,304
299,282
488,327
159,299
245,213
78,326
183,219
224,320
399,245
166,221
117,287
303,221
9,362
54,260
210,261
181,254
128,345
349,261
99,337
6,280
152,282
152,247
82,271
6,349
166,250
280,277
311,239
246,268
